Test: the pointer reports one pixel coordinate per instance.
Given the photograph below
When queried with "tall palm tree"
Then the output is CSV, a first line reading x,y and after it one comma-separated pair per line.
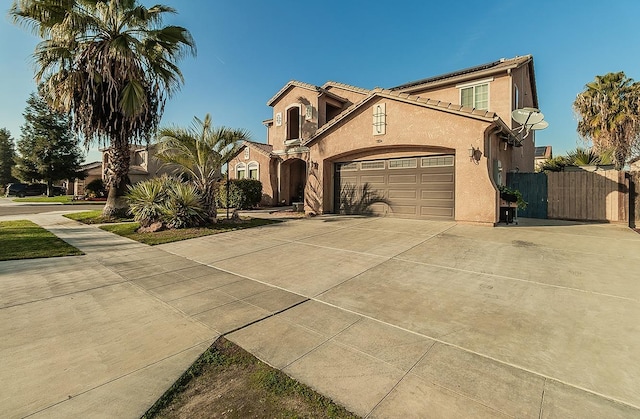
x,y
199,152
609,115
112,65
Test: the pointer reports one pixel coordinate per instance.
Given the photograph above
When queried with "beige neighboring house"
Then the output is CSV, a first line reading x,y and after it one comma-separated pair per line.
x,y
93,171
436,148
542,154
143,164
634,165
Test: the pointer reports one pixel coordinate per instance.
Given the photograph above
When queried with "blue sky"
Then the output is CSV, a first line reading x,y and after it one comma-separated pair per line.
x,y
248,49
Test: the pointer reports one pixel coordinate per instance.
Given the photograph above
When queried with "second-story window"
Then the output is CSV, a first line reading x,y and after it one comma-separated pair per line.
x,y
293,123
476,96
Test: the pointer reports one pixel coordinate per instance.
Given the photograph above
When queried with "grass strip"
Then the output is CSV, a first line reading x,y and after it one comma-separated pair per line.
x,y
168,236
228,381
95,217
24,239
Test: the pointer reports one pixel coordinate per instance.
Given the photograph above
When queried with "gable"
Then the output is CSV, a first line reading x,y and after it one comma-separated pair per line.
x,y
417,101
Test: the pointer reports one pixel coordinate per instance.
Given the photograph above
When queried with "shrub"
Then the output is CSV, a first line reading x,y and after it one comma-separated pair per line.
x,y
146,200
168,200
96,188
183,207
243,194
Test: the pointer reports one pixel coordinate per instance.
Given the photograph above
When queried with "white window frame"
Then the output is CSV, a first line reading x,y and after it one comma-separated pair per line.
x,y
414,166
241,167
253,165
363,165
445,164
474,85
300,117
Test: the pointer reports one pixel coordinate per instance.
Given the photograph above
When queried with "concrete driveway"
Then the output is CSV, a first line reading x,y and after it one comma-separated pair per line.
x,y
404,317
389,317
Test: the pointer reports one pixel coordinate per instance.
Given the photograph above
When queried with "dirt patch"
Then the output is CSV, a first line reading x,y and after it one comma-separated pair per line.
x,y
228,382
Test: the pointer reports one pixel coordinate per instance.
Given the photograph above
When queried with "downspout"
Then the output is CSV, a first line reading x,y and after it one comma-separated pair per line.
x,y
488,134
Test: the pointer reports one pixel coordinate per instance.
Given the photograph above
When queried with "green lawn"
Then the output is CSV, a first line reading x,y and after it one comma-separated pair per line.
x,y
62,199
168,236
94,217
25,240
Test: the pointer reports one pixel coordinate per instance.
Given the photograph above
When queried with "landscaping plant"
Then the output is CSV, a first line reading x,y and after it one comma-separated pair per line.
x,y
243,194
166,200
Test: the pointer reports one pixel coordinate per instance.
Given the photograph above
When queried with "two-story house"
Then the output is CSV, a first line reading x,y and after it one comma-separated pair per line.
x,y
436,148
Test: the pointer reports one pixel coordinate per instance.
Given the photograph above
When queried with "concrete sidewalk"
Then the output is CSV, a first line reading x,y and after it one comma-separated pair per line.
x,y
388,317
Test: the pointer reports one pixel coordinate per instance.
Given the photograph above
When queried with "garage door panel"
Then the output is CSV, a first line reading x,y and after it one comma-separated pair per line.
x,y
404,209
403,179
413,191
403,194
377,179
436,178
352,180
448,195
436,203
436,212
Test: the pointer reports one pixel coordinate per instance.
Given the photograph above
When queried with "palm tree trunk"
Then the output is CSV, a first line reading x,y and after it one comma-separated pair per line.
x,y
116,178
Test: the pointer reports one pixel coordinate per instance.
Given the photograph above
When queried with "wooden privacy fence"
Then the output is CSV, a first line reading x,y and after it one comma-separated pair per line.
x,y
584,195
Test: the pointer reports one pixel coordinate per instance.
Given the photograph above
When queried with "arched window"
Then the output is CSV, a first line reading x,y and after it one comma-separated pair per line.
x,y
254,170
241,171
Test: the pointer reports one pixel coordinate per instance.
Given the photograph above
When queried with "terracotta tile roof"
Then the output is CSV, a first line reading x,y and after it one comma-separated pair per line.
x,y
413,99
495,66
292,83
262,147
344,86
91,165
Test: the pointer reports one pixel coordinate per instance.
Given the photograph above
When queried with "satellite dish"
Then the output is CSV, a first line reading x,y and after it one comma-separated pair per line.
x,y
527,116
539,125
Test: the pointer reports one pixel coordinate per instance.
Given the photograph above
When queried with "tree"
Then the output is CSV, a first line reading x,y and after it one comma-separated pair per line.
x,y
578,157
609,115
112,65
7,155
199,153
47,149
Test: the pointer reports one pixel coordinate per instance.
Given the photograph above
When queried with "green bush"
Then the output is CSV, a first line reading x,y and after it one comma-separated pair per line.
x,y
184,208
95,188
168,200
243,194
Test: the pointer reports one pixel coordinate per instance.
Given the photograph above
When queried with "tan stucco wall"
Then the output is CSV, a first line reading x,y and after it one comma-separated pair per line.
x,y
295,96
502,102
266,175
409,129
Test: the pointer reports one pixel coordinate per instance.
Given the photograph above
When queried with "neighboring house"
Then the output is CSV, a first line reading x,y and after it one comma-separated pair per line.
x,y
93,171
634,165
143,164
435,148
542,154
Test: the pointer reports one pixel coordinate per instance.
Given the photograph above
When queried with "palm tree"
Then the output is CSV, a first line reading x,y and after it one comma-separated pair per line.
x,y
111,65
608,112
199,153
589,157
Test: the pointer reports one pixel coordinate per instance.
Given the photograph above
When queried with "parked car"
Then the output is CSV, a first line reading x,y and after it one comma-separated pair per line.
x,y
15,189
34,189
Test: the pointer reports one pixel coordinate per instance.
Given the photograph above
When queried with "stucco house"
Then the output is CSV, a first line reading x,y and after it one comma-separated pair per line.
x,y
143,164
436,148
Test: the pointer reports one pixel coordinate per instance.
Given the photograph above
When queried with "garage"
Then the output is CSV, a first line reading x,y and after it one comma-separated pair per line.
x,y
415,187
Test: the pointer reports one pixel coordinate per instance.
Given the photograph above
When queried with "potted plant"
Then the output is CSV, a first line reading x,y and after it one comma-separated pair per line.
x,y
512,196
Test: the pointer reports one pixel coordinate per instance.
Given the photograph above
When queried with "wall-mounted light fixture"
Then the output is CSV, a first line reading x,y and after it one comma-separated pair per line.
x,y
475,154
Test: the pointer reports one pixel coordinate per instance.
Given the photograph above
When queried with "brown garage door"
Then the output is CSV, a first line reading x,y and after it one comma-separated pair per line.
x,y
416,187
